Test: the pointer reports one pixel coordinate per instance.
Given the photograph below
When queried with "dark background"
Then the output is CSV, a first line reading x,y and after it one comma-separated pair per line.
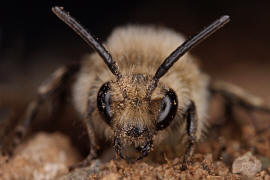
x,y
34,42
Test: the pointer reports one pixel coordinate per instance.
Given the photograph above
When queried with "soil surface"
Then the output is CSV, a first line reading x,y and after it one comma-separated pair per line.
x,y
230,151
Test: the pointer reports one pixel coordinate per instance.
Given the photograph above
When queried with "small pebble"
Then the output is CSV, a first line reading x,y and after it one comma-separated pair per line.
x,y
247,165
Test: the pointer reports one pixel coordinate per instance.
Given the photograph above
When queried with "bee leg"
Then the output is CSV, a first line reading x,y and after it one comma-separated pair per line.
x,y
234,95
237,96
93,141
191,128
92,153
47,89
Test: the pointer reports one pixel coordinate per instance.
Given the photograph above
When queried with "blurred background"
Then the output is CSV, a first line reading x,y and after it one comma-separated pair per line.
x,y
34,42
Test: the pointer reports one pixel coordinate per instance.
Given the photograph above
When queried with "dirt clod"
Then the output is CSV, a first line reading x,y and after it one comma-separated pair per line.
x,y
44,157
247,165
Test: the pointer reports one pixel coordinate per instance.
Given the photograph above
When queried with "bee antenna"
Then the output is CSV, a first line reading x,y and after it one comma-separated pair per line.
x,y
88,38
183,48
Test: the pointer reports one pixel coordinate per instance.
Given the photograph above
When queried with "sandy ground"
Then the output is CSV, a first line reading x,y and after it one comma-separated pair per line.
x,y
49,155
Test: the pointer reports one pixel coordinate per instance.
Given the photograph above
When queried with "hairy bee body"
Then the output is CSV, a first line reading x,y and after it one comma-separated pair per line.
x,y
139,51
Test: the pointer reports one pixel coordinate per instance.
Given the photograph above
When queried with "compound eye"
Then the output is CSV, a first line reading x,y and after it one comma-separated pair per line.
x,y
168,110
104,102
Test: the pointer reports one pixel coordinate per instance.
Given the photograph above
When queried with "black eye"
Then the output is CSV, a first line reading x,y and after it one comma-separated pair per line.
x,y
168,110
104,102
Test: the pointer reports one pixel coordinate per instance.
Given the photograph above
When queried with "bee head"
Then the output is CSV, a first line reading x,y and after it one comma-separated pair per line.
x,y
135,118
137,106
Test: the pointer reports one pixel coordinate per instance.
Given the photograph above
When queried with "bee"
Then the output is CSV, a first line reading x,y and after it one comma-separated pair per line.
x,y
135,95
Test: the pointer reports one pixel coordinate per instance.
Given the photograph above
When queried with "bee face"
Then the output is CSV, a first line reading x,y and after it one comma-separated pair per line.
x,y
134,118
136,106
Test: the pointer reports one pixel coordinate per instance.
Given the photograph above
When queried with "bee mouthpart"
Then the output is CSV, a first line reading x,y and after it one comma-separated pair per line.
x,y
131,152
145,150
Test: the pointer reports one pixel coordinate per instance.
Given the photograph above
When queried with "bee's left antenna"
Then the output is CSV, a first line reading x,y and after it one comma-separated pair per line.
x,y
183,48
88,38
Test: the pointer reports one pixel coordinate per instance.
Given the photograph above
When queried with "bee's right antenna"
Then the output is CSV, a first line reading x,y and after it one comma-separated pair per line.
x,y
183,48
87,37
